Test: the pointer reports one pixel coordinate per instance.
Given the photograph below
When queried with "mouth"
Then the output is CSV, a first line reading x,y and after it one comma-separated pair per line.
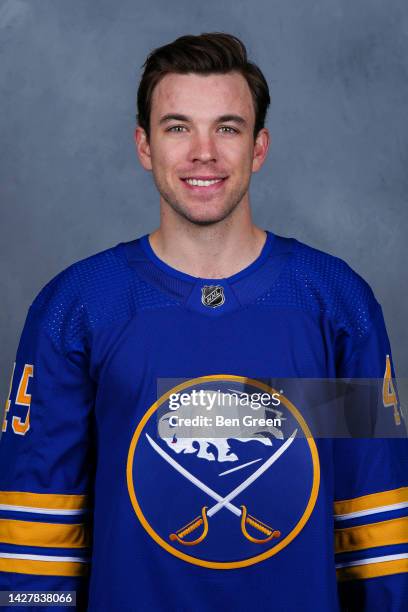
x,y
204,184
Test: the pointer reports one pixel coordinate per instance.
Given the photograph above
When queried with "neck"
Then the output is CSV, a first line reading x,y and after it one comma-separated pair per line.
x,y
213,251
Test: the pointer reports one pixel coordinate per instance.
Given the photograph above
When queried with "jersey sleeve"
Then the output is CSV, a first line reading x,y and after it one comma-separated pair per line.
x,y
371,480
46,457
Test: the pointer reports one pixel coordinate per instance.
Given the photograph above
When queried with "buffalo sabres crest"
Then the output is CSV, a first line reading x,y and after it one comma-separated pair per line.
x,y
221,482
212,295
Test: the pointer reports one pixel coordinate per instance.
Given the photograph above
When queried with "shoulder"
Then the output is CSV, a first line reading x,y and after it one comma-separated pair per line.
x,y
83,279
341,291
334,274
95,291
328,286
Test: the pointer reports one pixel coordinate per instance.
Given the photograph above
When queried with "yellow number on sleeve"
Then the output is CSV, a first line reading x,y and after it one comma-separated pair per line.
x,y
23,398
389,393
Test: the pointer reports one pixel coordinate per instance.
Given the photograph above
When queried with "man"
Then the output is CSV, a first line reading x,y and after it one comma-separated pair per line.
x,y
116,482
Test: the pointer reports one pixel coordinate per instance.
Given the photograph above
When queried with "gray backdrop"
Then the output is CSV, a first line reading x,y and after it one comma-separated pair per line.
x,y
336,176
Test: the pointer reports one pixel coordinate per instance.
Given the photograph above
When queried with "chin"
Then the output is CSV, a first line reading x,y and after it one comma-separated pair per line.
x,y
204,214
205,222
206,218
201,213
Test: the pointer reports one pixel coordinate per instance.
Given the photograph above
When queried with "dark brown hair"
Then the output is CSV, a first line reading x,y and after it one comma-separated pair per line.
x,y
207,53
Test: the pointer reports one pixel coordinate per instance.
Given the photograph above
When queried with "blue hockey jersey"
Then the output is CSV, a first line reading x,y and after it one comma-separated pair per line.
x,y
115,486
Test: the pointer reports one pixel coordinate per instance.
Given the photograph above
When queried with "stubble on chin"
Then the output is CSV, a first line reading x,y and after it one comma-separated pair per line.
x,y
205,218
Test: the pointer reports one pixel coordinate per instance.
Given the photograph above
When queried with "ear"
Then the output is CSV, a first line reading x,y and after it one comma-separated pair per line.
x,y
261,147
143,148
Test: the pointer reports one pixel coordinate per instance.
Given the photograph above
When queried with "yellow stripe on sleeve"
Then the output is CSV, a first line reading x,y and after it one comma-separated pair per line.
x,y
50,535
371,535
43,568
374,500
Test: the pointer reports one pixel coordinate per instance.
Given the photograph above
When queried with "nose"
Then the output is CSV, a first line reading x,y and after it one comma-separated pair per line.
x,y
203,148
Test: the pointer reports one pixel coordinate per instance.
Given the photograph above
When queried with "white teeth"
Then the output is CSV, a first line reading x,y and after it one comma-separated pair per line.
x,y
199,183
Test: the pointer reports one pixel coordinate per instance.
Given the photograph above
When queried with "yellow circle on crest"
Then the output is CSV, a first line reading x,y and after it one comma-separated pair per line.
x,y
251,560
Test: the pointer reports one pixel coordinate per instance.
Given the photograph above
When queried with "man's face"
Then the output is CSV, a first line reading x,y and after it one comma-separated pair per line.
x,y
201,129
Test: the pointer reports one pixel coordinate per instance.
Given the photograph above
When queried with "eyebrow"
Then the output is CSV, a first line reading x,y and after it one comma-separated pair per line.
x,y
222,119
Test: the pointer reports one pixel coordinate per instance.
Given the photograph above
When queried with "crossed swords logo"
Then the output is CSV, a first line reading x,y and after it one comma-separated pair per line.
x,y
223,502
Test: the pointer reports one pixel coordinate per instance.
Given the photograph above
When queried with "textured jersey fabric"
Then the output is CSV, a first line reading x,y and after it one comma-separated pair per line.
x,y
90,497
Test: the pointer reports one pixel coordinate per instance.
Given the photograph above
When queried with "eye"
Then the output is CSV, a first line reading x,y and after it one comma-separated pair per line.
x,y
230,129
175,128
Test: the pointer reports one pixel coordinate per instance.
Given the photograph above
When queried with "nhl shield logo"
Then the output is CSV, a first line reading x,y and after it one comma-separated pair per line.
x,y
212,295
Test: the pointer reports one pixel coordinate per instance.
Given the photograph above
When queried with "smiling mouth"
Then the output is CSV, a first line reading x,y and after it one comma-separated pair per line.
x,y
204,183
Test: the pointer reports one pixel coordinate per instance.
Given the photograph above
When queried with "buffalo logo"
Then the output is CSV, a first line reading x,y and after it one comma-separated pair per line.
x,y
212,295
218,479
